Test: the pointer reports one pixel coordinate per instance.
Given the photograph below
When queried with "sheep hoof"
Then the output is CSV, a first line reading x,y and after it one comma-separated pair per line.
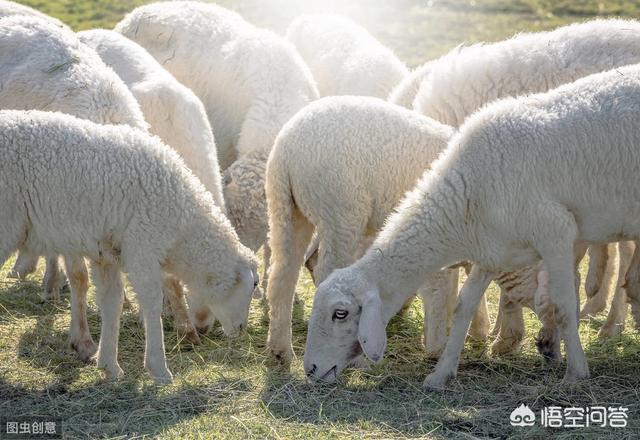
x,y
86,350
436,381
434,353
113,372
571,376
164,378
282,356
188,335
608,331
506,346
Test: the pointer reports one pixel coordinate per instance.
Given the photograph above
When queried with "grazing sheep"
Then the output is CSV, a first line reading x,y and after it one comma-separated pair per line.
x,y
340,166
45,67
8,9
250,80
467,78
174,113
473,207
405,92
344,58
137,209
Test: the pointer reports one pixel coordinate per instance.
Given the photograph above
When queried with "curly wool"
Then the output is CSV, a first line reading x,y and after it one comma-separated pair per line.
x,y
344,58
173,111
467,78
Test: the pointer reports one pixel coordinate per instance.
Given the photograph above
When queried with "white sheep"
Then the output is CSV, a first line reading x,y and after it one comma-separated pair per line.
x,y
340,166
137,209
250,80
56,72
344,58
467,78
473,206
174,113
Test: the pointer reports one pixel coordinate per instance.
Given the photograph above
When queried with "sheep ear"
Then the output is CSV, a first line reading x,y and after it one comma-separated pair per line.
x,y
372,334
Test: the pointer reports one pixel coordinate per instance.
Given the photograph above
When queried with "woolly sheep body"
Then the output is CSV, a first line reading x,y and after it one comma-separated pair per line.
x,y
173,111
405,92
467,78
250,80
137,209
344,58
340,166
472,206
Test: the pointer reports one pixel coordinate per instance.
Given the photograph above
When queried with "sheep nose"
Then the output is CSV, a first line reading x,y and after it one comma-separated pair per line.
x,y
311,370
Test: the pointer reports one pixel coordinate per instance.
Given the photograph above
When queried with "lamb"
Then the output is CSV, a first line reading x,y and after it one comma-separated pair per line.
x,y
344,58
473,207
174,113
250,80
138,209
328,157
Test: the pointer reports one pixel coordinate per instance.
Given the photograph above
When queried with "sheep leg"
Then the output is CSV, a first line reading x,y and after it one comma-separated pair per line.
x,y
614,324
174,293
26,264
109,296
266,254
147,283
468,301
53,279
435,293
599,277
79,336
480,324
495,331
632,285
287,258
511,330
560,268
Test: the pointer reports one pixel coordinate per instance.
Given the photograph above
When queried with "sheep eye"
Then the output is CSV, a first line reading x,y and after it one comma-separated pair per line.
x,y
339,315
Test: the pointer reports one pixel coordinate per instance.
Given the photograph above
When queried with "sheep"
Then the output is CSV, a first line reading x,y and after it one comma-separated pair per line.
x,y
344,58
473,206
174,112
56,72
405,92
8,9
250,80
138,209
339,166
467,78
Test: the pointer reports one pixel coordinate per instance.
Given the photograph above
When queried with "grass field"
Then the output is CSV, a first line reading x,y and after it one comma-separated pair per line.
x,y
223,389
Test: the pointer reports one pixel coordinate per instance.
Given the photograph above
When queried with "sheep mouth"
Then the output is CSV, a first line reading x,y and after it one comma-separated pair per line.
x,y
330,375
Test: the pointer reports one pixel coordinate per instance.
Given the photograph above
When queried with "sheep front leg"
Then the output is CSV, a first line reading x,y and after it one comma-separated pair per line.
x,y
287,255
79,336
109,296
470,295
614,324
147,283
434,294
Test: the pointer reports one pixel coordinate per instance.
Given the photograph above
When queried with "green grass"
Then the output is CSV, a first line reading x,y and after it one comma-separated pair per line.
x,y
223,389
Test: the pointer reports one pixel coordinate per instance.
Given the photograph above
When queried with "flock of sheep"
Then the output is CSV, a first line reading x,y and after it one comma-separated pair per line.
x,y
175,146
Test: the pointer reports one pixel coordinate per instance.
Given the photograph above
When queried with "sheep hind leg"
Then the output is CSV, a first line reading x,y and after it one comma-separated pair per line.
x,y
511,330
287,259
632,285
53,280
435,295
80,338
480,325
614,325
599,277
174,293
109,296
25,264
